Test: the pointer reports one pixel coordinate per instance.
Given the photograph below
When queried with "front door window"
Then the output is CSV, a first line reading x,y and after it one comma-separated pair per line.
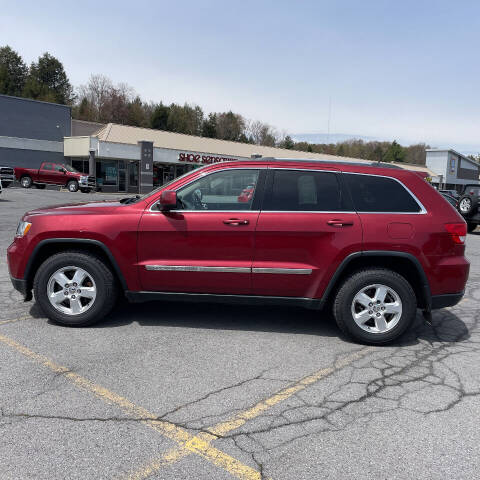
x,y
229,190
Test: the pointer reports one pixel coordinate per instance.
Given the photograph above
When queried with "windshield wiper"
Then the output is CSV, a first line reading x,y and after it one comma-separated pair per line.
x,y
128,200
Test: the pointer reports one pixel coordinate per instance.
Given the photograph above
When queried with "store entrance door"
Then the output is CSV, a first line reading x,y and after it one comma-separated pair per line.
x,y
132,171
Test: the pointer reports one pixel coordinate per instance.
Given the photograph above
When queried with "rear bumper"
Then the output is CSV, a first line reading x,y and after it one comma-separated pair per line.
x,y
446,300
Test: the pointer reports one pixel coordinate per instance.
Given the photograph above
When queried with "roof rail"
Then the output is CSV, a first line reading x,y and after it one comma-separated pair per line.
x,y
323,162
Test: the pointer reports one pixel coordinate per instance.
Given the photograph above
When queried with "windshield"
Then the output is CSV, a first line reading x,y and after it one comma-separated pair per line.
x,y
69,168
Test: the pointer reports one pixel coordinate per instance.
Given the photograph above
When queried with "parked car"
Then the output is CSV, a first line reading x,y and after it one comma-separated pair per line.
x,y
452,193
451,200
54,174
7,176
374,242
468,206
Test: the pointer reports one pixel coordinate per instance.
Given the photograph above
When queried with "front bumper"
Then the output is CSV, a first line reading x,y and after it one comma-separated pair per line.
x,y
446,300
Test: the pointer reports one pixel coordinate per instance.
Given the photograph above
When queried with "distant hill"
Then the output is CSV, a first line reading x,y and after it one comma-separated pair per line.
x,y
325,138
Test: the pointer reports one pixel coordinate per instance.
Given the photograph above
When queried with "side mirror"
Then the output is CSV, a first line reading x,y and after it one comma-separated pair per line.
x,y
63,170
168,200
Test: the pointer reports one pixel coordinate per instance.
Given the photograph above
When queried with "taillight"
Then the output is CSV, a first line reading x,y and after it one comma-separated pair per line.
x,y
457,231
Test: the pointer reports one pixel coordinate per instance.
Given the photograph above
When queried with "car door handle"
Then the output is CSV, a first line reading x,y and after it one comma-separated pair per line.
x,y
235,222
340,223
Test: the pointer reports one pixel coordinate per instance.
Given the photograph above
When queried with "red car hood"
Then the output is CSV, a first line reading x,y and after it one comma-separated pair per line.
x,y
98,207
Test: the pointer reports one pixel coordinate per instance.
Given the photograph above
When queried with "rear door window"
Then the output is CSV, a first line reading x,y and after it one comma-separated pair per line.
x,y
305,190
47,166
372,193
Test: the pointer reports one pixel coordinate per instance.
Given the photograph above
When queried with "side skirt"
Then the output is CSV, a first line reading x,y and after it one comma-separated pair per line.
x,y
139,297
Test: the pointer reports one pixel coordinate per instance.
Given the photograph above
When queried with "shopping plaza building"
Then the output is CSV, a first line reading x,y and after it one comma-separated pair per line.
x,y
122,158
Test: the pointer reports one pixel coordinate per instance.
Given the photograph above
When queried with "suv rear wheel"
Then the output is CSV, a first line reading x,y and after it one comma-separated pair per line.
x,y
471,227
467,205
75,288
375,306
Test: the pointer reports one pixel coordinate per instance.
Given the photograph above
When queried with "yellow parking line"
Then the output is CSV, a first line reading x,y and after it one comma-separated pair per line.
x,y
222,428
199,445
4,322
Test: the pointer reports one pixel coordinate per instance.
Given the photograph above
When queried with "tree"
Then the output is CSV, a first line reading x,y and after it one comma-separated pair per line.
x,y
159,118
209,127
187,119
287,143
13,72
416,153
262,134
394,153
137,115
48,81
230,126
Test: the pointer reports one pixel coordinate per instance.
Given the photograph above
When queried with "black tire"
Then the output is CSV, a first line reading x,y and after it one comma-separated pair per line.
x,y
72,186
467,205
85,190
40,186
106,287
471,227
342,307
26,181
5,184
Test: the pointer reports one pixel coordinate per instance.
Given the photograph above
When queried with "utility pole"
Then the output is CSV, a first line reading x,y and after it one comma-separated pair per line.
x,y
329,115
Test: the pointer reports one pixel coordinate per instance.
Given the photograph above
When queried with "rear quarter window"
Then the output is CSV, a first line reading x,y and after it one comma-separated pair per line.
x,y
380,194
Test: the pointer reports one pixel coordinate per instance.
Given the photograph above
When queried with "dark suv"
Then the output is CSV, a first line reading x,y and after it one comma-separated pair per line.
x,y
372,242
469,207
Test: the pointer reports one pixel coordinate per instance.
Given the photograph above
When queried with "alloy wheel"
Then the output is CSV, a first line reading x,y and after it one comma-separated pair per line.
x,y
376,308
465,205
71,290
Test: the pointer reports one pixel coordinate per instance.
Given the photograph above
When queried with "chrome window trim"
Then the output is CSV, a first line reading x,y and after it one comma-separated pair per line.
x,y
330,212
205,174
211,211
422,211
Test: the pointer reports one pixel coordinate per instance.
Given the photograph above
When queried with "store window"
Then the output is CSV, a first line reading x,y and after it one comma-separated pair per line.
x,y
80,165
107,173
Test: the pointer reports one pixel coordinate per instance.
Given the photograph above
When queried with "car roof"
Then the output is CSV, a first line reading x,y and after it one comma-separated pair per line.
x,y
373,168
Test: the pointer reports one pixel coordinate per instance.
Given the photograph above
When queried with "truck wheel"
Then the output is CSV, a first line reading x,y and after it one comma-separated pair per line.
x,y
471,227
72,186
75,288
375,306
26,181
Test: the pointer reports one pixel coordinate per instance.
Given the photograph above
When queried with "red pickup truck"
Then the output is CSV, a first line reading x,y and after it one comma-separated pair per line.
x,y
51,173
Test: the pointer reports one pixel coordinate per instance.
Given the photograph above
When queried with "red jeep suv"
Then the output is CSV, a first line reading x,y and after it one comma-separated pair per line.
x,y
373,241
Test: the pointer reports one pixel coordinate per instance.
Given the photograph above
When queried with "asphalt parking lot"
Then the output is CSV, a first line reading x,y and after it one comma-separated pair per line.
x,y
182,391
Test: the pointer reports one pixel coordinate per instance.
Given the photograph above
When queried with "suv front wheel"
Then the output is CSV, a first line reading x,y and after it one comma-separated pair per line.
x,y
375,306
75,288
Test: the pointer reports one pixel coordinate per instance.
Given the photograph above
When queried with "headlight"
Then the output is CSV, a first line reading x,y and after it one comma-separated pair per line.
x,y
84,179
23,228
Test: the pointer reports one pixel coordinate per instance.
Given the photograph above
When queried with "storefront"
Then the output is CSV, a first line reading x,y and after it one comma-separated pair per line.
x,y
137,160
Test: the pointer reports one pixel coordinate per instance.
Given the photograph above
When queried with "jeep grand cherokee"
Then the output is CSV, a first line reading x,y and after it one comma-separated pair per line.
x,y
375,243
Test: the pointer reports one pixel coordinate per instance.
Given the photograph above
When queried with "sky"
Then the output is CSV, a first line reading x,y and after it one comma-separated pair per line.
x,y
405,70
